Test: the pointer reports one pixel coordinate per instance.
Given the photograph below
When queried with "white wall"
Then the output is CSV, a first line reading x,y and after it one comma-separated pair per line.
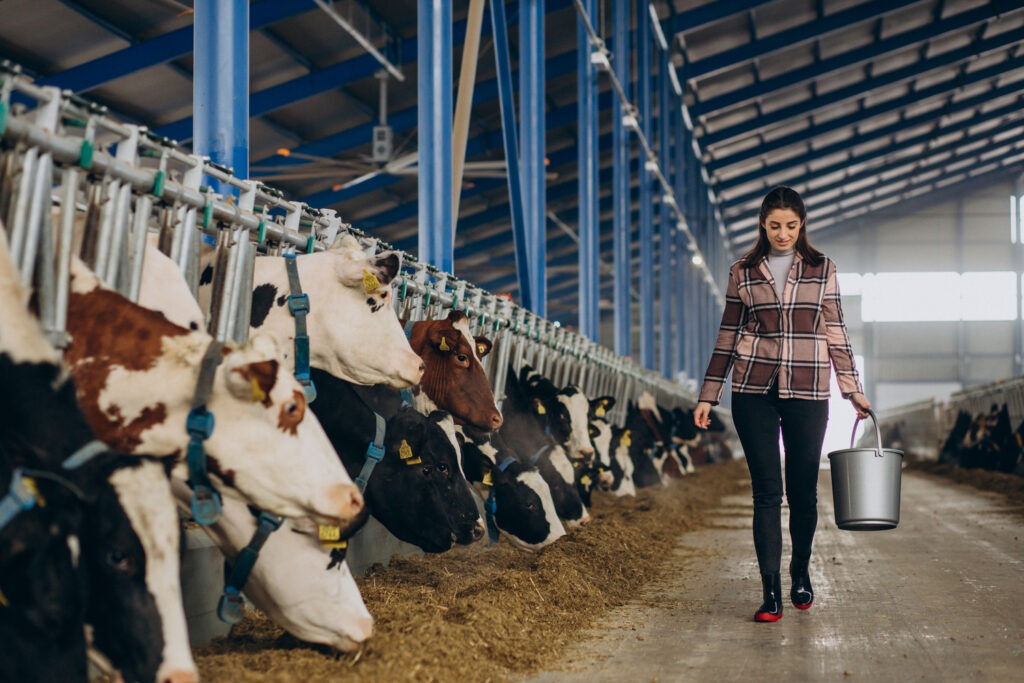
x,y
957,231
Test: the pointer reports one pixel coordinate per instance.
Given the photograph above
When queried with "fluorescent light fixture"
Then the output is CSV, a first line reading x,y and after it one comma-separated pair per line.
x,y
697,259
651,166
599,58
630,122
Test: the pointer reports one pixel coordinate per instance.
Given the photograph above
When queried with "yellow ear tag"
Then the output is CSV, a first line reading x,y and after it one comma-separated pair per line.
x,y
370,282
405,450
258,395
327,534
599,411
585,480
444,345
541,410
30,484
488,480
3,600
626,441
481,349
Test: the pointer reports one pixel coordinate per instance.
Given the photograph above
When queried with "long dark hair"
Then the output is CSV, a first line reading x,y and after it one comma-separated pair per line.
x,y
782,197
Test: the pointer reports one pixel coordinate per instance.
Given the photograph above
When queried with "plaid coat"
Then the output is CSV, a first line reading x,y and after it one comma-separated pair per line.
x,y
794,340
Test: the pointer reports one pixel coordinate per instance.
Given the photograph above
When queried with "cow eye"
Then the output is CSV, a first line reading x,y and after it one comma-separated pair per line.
x,y
442,468
120,562
426,471
291,408
462,358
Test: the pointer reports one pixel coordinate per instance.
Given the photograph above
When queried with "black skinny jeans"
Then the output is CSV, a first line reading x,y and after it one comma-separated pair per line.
x,y
757,418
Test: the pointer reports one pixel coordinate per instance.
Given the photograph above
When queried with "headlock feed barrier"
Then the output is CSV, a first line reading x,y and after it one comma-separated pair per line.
x,y
921,427
74,181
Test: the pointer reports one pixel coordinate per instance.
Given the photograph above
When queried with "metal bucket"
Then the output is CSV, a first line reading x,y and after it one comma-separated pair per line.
x,y
866,485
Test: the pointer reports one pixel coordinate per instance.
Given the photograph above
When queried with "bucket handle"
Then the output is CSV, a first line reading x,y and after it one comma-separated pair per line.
x,y
878,433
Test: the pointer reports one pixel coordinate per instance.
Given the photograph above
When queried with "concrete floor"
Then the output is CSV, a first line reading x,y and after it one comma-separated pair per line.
x,y
940,598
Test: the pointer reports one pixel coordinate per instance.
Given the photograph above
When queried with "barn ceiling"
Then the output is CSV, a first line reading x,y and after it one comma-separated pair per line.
x,y
859,104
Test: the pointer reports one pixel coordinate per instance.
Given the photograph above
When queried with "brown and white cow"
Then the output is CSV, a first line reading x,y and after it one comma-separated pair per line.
x,y
453,378
354,333
136,374
129,539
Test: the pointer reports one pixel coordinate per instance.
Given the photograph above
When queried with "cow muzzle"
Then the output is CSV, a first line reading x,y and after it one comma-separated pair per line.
x,y
180,677
346,503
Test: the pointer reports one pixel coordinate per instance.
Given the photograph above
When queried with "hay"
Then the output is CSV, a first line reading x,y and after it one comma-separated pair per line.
x,y
482,613
1010,487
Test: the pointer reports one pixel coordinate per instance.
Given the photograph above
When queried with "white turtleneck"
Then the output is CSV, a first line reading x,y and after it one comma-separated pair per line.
x,y
779,263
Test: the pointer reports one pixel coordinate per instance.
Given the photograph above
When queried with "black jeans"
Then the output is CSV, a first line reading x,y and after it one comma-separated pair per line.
x,y
757,418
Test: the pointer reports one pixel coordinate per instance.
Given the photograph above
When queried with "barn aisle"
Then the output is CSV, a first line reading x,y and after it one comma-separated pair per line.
x,y
939,598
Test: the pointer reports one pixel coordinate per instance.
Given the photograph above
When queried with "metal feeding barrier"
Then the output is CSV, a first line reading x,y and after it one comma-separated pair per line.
x,y
74,181
923,426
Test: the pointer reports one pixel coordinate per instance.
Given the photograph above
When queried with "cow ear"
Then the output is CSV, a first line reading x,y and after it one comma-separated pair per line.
x,y
483,346
602,405
252,381
387,265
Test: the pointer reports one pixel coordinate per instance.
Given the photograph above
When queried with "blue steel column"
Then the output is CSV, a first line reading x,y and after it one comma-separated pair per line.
x,y
685,331
506,100
588,225
434,89
531,120
1018,249
220,83
620,185
643,99
667,246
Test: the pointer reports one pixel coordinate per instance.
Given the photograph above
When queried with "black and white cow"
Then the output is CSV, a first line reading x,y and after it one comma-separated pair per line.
x,y
417,491
521,502
103,538
563,412
526,436
611,445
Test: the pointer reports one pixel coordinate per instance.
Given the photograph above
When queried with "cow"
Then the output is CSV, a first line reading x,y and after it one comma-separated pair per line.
x,y
352,327
611,447
646,449
104,537
296,581
949,453
136,375
417,490
526,438
453,378
563,412
521,502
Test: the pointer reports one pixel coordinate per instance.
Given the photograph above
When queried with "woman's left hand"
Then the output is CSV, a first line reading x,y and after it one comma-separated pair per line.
x,y
861,404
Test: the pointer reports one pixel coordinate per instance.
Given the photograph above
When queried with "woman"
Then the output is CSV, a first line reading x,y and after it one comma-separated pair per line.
x,y
781,327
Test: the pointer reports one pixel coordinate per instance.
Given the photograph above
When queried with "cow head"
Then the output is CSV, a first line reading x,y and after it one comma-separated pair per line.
x,y
564,411
453,378
136,375
353,329
418,491
296,582
131,547
44,587
622,463
524,509
644,448
601,438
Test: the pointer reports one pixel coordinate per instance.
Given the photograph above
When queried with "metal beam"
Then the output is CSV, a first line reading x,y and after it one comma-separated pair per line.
x,y
846,60
1009,136
162,49
532,149
708,13
434,89
620,186
858,118
644,101
813,30
589,162
1006,115
666,226
220,87
864,88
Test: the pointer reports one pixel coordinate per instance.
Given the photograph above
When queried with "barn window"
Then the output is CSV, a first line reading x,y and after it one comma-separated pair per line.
x,y
935,296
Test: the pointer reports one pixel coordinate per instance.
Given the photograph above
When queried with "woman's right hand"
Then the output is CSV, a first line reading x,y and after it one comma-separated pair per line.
x,y
702,415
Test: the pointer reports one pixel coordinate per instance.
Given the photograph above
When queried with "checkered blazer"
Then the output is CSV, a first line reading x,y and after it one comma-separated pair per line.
x,y
794,340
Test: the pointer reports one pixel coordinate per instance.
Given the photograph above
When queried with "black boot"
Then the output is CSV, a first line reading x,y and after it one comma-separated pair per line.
x,y
771,610
802,594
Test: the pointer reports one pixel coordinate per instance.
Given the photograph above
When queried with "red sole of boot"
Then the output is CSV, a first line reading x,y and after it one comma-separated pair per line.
x,y
807,606
764,616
